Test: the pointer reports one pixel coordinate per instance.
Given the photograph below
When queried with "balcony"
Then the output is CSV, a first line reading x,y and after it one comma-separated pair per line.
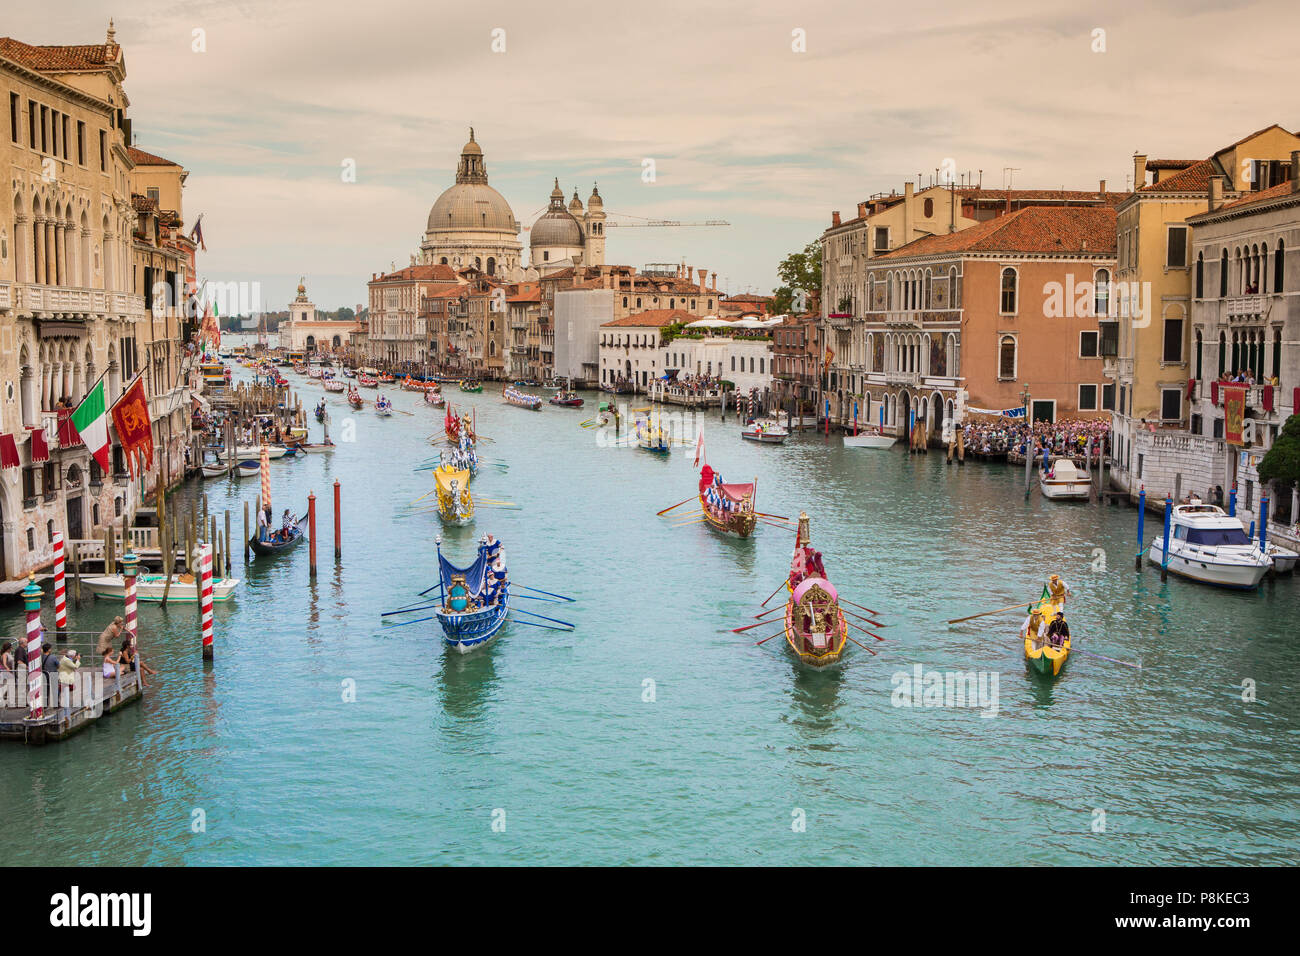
x,y
902,378
6,296
66,301
909,320
1245,305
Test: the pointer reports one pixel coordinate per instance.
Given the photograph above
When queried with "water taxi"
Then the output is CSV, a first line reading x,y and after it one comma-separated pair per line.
x,y
1208,545
1064,481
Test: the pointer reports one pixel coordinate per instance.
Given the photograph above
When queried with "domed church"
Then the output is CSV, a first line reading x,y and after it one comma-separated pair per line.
x,y
564,237
471,224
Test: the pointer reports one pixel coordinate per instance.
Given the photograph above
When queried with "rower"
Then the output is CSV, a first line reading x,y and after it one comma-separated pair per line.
x,y
1034,625
1058,590
287,522
1058,632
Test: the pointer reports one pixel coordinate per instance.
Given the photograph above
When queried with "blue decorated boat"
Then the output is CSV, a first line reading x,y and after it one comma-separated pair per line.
x,y
475,599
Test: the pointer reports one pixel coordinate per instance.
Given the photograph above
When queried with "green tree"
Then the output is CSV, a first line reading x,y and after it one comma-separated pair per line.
x,y
799,272
346,314
1282,462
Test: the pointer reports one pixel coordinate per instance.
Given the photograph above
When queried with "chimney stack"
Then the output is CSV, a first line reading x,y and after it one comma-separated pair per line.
x,y
1216,193
907,212
1295,170
1139,171
835,218
1103,189
862,210
690,274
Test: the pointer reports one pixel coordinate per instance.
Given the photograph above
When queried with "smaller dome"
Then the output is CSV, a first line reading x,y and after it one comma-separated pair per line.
x,y
471,146
575,204
594,199
557,193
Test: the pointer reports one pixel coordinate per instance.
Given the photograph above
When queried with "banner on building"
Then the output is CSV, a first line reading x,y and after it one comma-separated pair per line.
x,y
131,419
1234,410
1004,412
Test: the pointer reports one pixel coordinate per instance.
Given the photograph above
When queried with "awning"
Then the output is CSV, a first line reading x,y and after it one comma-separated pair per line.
x,y
40,449
8,452
199,402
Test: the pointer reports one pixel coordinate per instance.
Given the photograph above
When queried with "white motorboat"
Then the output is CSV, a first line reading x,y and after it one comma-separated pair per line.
x,y
150,587
1284,561
248,468
215,470
1207,545
255,451
765,431
1063,481
869,438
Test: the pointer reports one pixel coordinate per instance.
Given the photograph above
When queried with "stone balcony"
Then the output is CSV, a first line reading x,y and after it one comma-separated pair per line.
x,y
69,302
902,378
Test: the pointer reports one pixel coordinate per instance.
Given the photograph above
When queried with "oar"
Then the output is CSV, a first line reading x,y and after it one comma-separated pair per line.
x,y
867,619
1105,658
773,594
766,515
861,645
678,505
737,630
530,597
958,620
408,610
860,607
768,638
554,620
863,630
549,627
770,610
540,591
404,623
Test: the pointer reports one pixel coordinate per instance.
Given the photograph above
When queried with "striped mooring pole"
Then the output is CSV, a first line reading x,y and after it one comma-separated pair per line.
x,y
266,480
205,595
130,568
32,601
60,595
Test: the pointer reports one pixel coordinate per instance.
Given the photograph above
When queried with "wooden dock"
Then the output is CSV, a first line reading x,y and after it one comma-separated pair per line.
x,y
92,697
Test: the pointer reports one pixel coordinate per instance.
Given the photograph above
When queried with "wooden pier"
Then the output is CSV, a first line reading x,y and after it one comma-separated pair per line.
x,y
91,698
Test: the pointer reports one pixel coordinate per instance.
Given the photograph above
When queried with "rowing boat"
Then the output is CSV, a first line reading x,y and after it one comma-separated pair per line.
x,y
268,544
816,630
729,508
648,434
475,599
1041,656
522,399
383,406
468,386
455,504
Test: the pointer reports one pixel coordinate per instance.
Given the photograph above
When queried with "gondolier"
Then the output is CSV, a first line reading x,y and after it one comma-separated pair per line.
x,y
1058,589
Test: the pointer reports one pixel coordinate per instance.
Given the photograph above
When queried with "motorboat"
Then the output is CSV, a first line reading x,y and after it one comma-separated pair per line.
x,y
150,587
869,438
765,431
1284,561
1064,481
254,451
1209,546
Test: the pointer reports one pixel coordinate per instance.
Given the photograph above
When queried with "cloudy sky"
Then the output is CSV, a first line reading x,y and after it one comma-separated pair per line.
x,y
740,126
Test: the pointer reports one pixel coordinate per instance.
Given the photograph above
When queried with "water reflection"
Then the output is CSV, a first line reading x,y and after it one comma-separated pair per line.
x,y
466,683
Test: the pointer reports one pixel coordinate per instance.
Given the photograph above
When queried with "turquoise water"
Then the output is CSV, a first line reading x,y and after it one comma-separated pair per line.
x,y
740,756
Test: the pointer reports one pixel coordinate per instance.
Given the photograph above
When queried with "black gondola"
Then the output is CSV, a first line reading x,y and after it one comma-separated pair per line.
x,y
274,543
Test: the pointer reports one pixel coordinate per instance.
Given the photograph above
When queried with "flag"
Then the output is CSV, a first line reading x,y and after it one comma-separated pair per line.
x,y
131,419
196,234
91,421
699,449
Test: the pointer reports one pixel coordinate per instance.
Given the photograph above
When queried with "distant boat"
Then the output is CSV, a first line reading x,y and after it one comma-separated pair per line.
x,y
475,599
765,431
869,438
268,543
215,470
1064,482
150,587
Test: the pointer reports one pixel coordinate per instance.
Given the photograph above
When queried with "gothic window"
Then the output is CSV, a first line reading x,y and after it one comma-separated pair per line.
x,y
1008,303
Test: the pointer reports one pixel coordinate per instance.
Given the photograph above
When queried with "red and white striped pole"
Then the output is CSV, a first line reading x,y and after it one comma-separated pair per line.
x,y
205,598
32,599
60,596
130,568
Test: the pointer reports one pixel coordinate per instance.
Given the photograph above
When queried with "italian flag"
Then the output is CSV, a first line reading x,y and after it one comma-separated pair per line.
x,y
91,421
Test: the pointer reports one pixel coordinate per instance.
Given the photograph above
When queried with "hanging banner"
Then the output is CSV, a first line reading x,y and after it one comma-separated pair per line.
x,y
1234,410
130,415
1004,412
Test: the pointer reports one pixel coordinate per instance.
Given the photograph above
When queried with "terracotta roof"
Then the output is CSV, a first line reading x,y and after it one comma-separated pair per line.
x,y
1170,163
141,158
748,297
143,203
1037,230
60,59
1263,196
652,319
436,273
1026,196
1194,179
526,292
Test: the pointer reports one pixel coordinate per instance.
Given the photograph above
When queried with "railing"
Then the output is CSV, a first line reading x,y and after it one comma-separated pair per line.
x,y
1245,304
6,295
51,298
902,378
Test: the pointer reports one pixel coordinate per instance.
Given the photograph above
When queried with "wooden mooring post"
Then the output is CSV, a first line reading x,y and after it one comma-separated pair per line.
x,y
311,531
338,521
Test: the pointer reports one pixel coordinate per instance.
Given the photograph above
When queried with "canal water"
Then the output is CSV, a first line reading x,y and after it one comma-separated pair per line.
x,y
652,734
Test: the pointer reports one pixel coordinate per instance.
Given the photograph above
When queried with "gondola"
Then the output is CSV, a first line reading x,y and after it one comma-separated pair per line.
x,y
355,399
320,411
455,503
383,406
468,386
816,630
266,543
727,507
1041,655
475,599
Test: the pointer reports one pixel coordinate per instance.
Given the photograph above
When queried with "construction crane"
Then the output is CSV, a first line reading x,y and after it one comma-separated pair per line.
x,y
669,222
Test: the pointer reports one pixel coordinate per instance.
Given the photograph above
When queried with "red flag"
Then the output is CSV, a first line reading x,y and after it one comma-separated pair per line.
x,y
699,449
131,419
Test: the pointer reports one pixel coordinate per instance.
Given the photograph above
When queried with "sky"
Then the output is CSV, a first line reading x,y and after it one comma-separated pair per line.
x,y
766,115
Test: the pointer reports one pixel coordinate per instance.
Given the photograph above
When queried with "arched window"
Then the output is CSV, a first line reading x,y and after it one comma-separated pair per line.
x,y
1277,354
1101,292
1223,354
1279,267
1007,358
625,302
492,266
1008,303
1223,274
1199,348
929,285
1200,275
929,208
954,299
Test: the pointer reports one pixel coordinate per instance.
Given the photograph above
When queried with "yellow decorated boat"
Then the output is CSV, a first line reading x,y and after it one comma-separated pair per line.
x,y
1041,655
455,504
815,627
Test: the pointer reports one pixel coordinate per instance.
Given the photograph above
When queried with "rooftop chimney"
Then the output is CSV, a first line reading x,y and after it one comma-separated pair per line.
x,y
1103,189
1139,171
1216,193
907,212
835,218
690,274
862,210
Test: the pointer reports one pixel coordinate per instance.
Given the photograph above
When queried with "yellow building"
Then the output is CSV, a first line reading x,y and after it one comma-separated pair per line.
x,y
1146,339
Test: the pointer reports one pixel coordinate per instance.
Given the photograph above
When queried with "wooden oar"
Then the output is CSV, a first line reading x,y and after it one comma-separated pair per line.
x,y
768,638
554,620
861,645
773,594
540,591
678,505
861,618
1105,658
404,623
958,620
859,607
766,515
408,610
549,627
863,630
771,610
737,630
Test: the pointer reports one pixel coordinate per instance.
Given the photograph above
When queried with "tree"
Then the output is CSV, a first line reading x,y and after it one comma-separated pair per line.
x,y
346,314
798,272
1282,462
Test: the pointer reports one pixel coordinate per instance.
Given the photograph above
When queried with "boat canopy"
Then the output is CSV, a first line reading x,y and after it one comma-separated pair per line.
x,y
445,476
475,574
809,583
737,492
1063,469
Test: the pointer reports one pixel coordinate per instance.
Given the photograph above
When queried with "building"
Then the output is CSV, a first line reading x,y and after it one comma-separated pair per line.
x,y
1245,314
397,333
797,360
886,222
471,224
89,268
564,237
977,316
1154,282
306,332
524,302
636,351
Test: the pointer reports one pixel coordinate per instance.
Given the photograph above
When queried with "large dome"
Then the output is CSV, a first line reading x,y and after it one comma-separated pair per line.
x,y
472,206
